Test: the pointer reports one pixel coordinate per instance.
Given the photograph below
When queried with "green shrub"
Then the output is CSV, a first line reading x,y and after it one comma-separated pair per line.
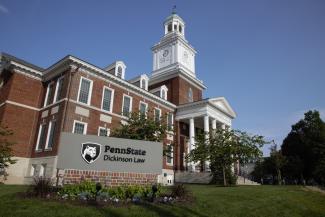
x,y
179,190
42,187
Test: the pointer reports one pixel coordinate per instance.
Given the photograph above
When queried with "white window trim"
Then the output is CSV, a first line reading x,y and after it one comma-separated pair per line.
x,y
172,127
141,102
130,108
47,95
57,88
104,128
172,158
90,90
112,99
39,137
48,135
80,122
159,113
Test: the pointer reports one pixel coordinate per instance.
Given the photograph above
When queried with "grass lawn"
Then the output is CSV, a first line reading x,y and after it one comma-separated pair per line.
x,y
250,201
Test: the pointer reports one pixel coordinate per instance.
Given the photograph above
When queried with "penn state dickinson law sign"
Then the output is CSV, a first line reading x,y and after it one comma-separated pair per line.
x,y
89,152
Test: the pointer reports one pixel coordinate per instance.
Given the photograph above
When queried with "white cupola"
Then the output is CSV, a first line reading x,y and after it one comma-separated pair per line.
x,y
174,24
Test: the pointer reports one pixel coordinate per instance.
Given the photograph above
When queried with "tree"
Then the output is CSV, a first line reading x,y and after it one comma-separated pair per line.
x,y
6,153
277,161
305,144
142,127
224,147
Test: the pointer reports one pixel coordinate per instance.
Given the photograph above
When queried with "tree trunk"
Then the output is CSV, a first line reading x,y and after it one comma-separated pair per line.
x,y
279,177
224,176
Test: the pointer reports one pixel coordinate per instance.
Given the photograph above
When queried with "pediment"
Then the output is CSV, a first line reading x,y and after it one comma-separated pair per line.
x,y
222,103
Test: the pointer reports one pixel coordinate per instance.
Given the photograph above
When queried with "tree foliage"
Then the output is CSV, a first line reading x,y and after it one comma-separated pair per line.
x,y
224,147
6,153
304,148
142,127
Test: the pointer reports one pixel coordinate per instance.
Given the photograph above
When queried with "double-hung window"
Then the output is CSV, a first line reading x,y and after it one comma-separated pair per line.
x,y
102,131
79,127
170,120
127,105
58,89
50,135
85,89
169,154
157,115
107,100
41,137
143,109
49,94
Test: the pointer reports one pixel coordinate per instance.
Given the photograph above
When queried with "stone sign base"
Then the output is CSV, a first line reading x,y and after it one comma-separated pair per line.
x,y
108,178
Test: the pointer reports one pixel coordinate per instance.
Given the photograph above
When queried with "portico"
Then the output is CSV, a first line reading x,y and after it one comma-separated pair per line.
x,y
203,115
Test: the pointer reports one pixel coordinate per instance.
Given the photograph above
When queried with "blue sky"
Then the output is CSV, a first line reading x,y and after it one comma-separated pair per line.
x,y
267,57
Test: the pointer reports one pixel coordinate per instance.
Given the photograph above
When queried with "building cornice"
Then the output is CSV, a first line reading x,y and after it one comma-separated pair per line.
x,y
174,71
131,87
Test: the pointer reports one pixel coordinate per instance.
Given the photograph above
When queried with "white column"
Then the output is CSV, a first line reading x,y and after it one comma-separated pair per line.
x,y
192,133
206,131
214,124
192,141
206,125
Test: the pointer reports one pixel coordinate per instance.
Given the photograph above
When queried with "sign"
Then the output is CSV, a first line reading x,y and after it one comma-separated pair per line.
x,y
90,152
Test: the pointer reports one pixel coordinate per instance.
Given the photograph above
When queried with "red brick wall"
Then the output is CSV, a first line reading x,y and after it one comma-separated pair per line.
x,y
108,178
178,90
22,122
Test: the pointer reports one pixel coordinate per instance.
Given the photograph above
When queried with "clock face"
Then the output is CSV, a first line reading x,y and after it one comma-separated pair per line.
x,y
185,57
165,54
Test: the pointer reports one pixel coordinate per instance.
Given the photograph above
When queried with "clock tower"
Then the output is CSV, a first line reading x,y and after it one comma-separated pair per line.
x,y
173,50
174,57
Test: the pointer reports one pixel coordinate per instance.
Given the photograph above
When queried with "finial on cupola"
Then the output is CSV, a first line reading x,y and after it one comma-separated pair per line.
x,y
174,9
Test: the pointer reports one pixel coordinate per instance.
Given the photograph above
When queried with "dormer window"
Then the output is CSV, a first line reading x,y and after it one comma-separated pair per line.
x,y
117,68
161,92
119,72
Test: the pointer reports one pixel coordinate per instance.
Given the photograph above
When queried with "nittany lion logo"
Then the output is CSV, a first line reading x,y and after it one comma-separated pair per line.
x,y
90,151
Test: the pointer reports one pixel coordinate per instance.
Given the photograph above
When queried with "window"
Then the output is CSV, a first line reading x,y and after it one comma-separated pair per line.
x,y
163,94
143,84
85,89
49,94
127,105
169,27
79,127
170,120
170,154
102,131
143,108
180,28
33,171
42,171
190,95
119,72
157,115
107,100
175,27
50,135
41,137
58,89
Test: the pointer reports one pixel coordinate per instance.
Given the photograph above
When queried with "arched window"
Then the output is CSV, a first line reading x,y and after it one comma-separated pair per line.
x,y
163,94
180,29
169,27
143,84
119,72
190,95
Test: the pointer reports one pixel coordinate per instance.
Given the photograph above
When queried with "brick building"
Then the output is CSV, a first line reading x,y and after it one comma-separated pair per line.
x,y
75,96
